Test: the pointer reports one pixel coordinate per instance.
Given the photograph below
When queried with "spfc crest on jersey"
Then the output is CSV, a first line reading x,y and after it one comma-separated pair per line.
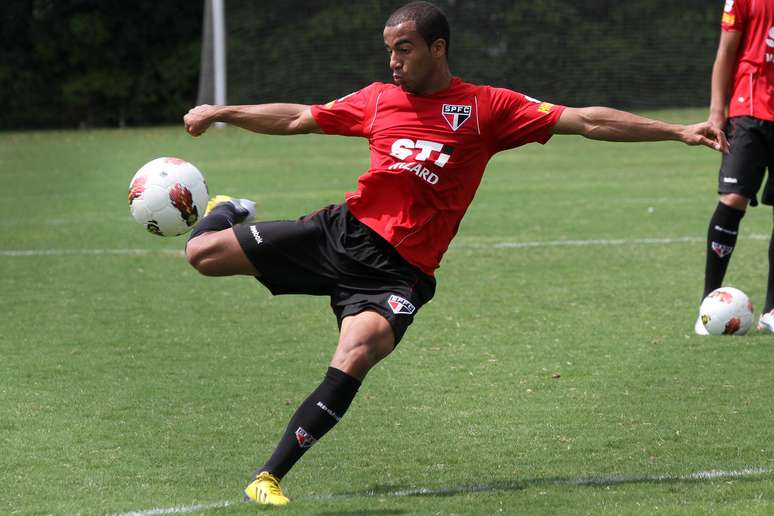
x,y
456,115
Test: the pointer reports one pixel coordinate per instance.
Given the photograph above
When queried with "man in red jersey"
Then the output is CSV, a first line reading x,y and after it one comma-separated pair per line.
x,y
431,136
742,103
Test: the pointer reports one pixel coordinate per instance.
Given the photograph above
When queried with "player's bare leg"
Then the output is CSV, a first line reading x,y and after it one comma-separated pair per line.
x,y
218,253
721,240
213,248
365,339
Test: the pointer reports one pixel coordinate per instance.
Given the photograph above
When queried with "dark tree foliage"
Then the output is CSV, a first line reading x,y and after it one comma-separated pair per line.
x,y
70,63
632,54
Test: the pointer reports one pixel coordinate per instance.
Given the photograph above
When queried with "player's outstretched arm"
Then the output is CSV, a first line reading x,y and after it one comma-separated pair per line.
x,y
722,73
260,118
601,123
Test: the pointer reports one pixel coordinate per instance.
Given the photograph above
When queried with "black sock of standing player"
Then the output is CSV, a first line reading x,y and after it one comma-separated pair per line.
x,y
222,216
721,239
318,414
770,287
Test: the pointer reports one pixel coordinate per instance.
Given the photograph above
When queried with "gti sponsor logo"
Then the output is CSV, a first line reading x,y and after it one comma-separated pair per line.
x,y
399,305
455,115
256,235
721,250
422,151
770,44
304,438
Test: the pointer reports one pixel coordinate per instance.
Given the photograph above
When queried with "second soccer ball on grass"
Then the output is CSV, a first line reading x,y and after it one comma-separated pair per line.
x,y
726,311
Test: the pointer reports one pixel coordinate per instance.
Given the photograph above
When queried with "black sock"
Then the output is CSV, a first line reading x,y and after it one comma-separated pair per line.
x,y
770,287
721,239
222,216
318,414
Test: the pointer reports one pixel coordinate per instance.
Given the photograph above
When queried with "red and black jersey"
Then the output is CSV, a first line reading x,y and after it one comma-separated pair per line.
x,y
428,154
753,86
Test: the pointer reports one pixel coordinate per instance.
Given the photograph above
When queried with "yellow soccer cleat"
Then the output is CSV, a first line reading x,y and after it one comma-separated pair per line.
x,y
245,207
266,490
218,199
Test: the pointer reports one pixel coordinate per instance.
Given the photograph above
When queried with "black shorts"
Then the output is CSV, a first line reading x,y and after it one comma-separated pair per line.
x,y
752,151
331,253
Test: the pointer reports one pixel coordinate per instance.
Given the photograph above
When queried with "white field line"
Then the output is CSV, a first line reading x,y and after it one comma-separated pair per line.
x,y
182,509
500,486
461,244
605,242
90,252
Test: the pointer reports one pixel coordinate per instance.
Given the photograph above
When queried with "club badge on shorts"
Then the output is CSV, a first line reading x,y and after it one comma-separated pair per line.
x,y
399,305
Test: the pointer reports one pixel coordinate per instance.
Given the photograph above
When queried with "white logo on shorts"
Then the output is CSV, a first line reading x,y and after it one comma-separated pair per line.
x,y
256,235
732,180
399,305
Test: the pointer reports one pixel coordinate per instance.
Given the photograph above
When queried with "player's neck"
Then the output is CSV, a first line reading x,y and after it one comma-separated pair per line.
x,y
439,82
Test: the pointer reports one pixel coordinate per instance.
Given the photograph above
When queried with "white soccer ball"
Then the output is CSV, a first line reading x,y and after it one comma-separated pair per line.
x,y
168,196
726,311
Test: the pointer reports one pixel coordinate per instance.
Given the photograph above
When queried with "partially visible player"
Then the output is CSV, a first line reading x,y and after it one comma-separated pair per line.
x,y
743,104
375,255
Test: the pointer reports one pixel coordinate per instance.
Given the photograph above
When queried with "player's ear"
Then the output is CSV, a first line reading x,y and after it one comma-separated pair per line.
x,y
438,48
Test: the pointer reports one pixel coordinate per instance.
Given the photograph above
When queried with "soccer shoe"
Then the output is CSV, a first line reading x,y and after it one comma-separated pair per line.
x,y
266,490
698,327
766,322
245,207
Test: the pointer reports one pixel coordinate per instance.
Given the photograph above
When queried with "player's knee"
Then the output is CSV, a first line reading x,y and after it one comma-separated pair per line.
x,y
361,354
200,256
735,201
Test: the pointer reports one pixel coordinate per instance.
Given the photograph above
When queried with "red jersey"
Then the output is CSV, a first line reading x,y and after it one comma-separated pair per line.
x,y
428,154
753,88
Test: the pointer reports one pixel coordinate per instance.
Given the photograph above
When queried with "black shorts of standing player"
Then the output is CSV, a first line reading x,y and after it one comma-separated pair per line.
x,y
331,253
752,151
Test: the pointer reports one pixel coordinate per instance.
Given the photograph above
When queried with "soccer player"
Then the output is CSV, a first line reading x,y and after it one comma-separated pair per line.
x,y
742,103
431,135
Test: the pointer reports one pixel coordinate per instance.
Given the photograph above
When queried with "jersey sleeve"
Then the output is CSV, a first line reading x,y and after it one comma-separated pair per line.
x,y
345,116
517,119
734,16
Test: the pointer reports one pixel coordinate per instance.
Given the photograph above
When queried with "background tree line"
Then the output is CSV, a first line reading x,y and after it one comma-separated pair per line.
x,y
71,63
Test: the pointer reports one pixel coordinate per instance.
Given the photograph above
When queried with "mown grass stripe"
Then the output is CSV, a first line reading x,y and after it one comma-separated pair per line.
x,y
481,488
495,245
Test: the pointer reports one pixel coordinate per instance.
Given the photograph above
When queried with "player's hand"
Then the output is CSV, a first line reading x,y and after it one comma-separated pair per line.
x,y
199,119
705,134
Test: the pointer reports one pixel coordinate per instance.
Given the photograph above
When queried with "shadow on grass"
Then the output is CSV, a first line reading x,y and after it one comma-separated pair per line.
x,y
751,474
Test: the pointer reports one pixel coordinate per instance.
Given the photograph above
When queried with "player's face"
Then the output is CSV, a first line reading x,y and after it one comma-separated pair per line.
x,y
411,62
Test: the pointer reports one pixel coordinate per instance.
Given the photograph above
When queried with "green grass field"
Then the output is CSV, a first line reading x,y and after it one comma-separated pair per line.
x,y
545,377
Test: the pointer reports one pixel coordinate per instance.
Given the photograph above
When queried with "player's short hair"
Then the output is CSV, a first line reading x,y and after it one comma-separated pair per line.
x,y
430,20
